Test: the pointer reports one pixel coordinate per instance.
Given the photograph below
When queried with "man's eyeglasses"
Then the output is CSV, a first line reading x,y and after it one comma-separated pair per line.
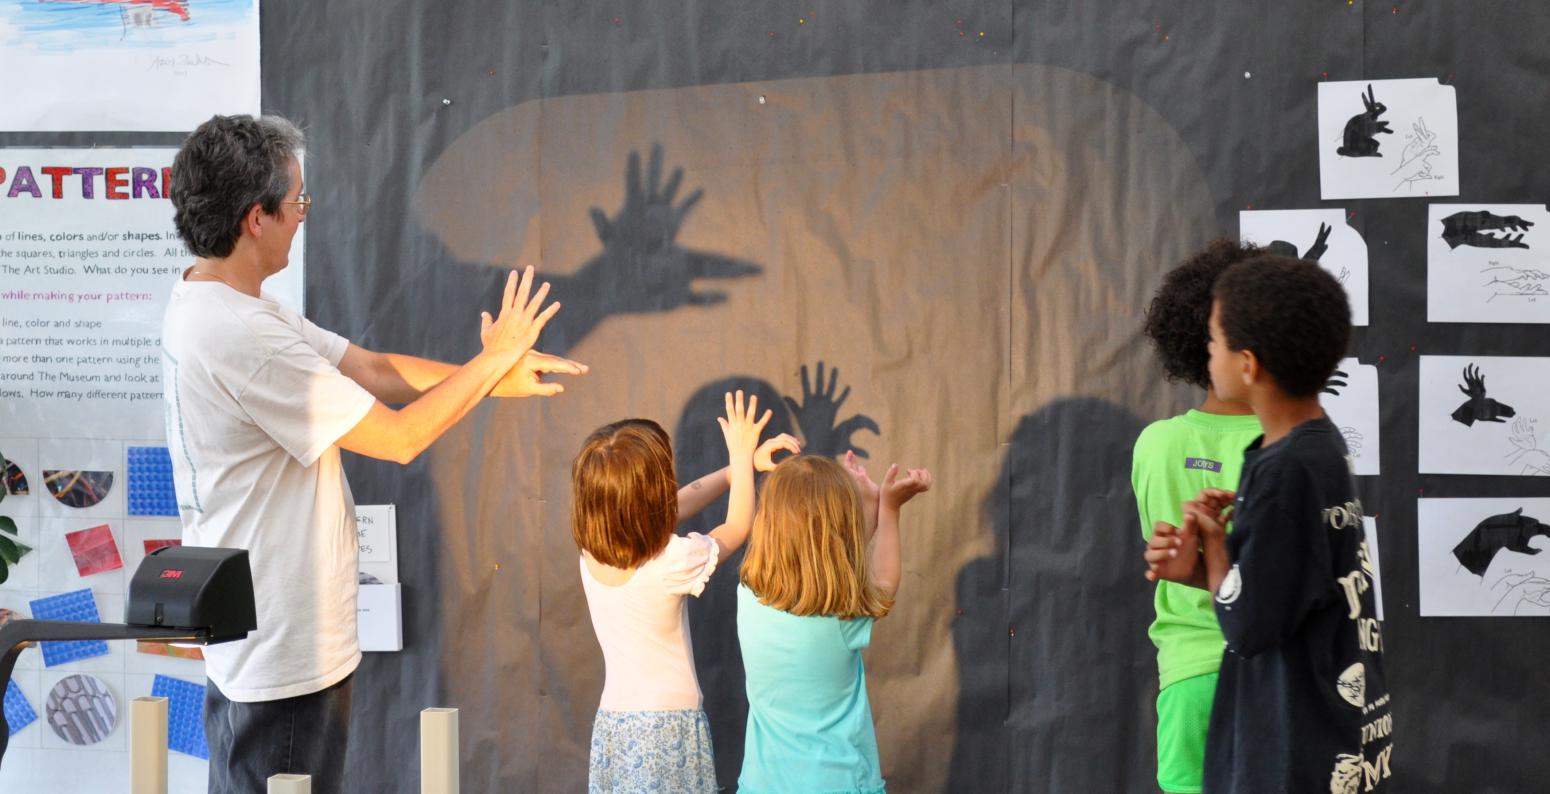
x,y
303,202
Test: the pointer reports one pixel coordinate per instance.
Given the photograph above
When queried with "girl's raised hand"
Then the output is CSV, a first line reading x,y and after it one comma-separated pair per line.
x,y
764,456
739,427
898,490
870,492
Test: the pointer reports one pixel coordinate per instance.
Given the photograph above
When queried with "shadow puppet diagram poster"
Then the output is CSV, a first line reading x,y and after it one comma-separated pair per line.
x,y
1484,415
137,65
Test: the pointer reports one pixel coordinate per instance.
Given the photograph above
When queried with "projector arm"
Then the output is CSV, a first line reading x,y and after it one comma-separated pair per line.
x,y
15,634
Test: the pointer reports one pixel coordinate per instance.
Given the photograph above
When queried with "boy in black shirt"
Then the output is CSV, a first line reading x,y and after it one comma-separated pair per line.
x,y
1302,704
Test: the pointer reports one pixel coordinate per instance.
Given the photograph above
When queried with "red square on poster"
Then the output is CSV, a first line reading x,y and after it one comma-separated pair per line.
x,y
160,543
94,550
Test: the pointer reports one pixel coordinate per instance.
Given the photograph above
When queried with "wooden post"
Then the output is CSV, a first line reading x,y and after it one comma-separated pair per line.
x,y
148,745
438,751
290,784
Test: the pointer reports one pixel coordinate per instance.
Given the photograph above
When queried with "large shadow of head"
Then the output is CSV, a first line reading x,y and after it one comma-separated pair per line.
x,y
1050,635
700,448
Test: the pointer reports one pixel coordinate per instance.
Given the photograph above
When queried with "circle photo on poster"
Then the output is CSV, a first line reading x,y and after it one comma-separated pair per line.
x,y
81,709
78,488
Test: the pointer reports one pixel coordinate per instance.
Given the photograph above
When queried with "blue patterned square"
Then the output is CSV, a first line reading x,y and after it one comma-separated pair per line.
x,y
150,482
78,606
18,712
185,714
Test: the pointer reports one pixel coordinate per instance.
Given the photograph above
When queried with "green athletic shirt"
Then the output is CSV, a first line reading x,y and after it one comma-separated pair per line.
x,y
1174,459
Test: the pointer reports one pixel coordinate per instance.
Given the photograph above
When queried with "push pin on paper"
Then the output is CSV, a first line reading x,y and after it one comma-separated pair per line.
x,y
446,102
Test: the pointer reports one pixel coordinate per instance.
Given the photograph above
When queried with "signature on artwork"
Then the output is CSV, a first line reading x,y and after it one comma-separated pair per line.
x,y
184,61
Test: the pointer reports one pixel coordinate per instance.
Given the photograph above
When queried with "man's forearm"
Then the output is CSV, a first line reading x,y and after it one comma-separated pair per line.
x,y
407,378
402,435
392,378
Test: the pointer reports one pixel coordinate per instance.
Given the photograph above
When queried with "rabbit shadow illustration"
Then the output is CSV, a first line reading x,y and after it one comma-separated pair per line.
x,y
1361,131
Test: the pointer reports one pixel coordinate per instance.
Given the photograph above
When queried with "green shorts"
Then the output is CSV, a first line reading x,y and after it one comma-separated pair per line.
x,y
1183,714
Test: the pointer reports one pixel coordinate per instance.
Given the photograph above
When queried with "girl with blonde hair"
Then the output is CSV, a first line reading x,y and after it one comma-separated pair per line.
x,y
822,565
650,733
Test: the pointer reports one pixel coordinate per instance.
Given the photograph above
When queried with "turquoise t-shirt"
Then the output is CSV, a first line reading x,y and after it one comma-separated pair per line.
x,y
1174,459
809,720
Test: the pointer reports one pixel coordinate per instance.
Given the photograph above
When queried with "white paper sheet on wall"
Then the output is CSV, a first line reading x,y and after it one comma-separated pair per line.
x,y
88,257
1484,415
1482,557
1388,139
127,64
1351,400
377,528
1370,527
1318,235
378,607
1488,263
379,618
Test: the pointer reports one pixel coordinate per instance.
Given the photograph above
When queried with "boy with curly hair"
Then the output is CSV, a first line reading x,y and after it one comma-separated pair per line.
x,y
1302,703
1174,459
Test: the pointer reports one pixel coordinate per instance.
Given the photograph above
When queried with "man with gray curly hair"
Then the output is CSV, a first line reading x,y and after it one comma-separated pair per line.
x,y
259,401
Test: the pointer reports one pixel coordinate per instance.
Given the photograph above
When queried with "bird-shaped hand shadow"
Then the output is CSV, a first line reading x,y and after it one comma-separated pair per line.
x,y
642,268
816,416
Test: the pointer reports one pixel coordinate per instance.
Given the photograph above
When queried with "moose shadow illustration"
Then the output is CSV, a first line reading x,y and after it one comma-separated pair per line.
x,y
1479,408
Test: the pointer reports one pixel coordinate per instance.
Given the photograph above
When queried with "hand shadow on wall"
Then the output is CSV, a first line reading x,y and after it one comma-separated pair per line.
x,y
698,448
642,268
1050,631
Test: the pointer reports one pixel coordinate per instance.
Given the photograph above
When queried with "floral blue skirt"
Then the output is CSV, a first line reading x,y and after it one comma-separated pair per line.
x,y
655,752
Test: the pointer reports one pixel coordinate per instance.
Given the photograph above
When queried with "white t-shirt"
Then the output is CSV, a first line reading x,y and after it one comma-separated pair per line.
x,y
254,405
643,627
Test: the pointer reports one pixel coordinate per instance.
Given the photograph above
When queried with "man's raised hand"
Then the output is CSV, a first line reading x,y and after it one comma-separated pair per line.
x,y
515,330
526,378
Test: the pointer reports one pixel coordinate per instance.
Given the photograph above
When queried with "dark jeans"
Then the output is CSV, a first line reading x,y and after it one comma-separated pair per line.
x,y
303,735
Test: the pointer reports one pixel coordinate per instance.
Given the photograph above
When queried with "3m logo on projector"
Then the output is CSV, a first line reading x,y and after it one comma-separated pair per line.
x,y
171,573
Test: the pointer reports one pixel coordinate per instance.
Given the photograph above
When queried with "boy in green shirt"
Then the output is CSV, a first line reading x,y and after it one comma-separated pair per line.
x,y
1174,459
